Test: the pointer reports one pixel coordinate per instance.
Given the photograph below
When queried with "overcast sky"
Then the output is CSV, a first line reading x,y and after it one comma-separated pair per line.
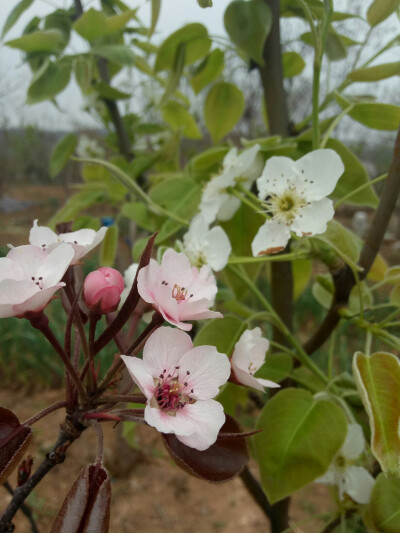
x,y
15,76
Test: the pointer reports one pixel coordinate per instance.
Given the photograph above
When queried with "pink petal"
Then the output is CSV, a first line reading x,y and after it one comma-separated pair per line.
x,y
204,370
38,301
140,375
169,423
208,417
164,350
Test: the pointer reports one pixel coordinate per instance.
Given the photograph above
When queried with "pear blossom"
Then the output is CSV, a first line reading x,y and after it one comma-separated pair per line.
x,y
216,202
88,147
206,246
102,289
129,278
179,382
29,277
350,479
83,241
177,290
248,356
294,194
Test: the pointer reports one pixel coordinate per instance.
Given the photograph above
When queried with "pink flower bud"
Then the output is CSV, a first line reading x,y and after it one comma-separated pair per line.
x,y
102,289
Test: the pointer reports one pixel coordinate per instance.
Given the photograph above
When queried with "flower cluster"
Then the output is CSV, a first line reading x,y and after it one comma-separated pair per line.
x,y
31,274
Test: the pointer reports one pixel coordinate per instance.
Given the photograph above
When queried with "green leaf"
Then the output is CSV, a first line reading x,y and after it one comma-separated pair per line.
x,y
140,214
180,196
209,70
205,3
293,64
248,23
206,162
376,73
194,36
155,13
176,72
300,437
355,300
380,10
384,117
109,93
342,241
91,25
119,22
223,333
83,69
392,274
59,20
384,506
61,153
378,381
223,108
14,15
103,178
77,203
38,41
180,119
117,53
354,176
302,269
109,247
48,81
335,48
276,368
323,293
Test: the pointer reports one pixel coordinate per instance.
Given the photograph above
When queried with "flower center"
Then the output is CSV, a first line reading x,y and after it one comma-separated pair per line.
x,y
169,393
286,206
252,368
38,281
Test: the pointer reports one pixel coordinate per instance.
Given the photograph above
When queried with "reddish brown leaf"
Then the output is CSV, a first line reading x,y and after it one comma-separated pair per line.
x,y
86,508
220,462
14,440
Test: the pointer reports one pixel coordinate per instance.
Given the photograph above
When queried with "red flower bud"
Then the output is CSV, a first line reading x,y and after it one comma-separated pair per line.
x,y
102,290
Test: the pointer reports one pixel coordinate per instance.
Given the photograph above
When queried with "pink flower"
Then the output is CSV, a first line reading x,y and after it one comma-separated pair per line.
x,y
177,290
248,356
29,277
179,382
82,241
102,289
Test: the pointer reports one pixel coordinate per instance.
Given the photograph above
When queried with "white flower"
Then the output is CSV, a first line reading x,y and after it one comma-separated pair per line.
x,y
82,241
88,147
129,278
179,382
206,246
295,195
248,356
29,276
353,480
216,202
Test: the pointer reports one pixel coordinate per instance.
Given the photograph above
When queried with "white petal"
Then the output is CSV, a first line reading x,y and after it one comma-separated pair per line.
x,y
250,163
217,248
358,484
55,264
354,443
322,170
330,477
28,258
208,417
312,219
204,370
250,348
246,379
271,238
228,207
140,375
9,269
129,275
169,423
274,178
231,158
42,235
164,350
83,240
198,231
148,280
16,291
176,268
38,301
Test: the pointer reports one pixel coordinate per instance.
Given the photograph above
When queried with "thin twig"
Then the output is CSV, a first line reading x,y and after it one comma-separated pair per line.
x,y
45,412
24,508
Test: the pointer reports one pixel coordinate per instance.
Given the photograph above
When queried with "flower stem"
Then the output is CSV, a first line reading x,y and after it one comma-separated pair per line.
x,y
45,412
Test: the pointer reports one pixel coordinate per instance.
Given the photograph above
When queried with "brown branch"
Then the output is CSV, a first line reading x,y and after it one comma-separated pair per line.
x,y
343,277
67,435
122,135
24,508
254,488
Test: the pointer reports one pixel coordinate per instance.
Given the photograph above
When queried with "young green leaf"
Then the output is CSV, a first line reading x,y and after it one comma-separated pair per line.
x,y
223,108
376,73
384,117
109,247
380,10
49,81
91,25
300,437
116,53
293,64
209,70
180,119
14,15
222,333
155,13
248,23
378,381
384,506
61,153
38,41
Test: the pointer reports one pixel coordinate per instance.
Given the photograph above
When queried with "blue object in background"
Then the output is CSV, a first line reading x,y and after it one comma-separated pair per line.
x,y
107,221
